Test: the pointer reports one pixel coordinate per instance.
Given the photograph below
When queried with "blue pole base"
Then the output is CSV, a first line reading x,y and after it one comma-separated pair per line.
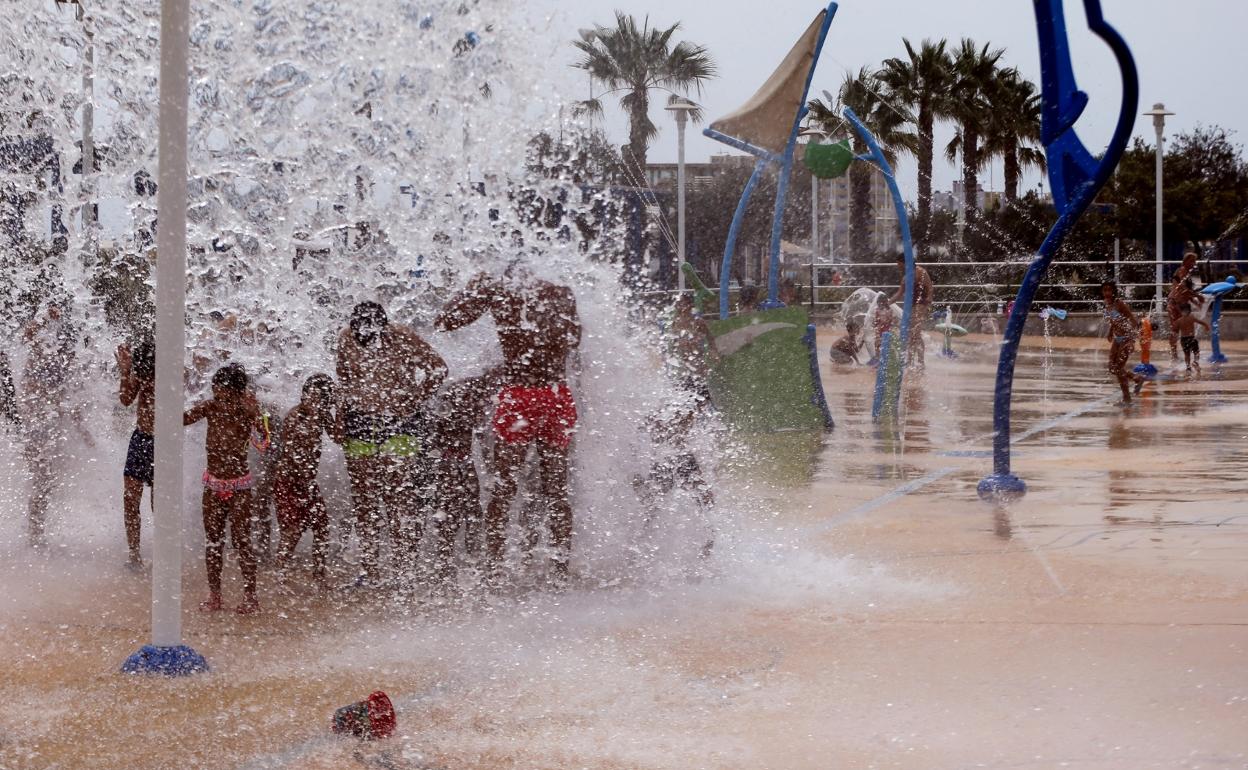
x,y
1001,488
1148,370
948,354
768,304
1217,358
166,661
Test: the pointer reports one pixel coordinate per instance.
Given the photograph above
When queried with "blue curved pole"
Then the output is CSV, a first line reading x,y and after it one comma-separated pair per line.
x,y
876,156
1075,177
725,267
1215,338
777,222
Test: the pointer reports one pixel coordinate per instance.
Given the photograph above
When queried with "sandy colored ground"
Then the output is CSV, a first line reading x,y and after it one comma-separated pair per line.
x,y
1102,622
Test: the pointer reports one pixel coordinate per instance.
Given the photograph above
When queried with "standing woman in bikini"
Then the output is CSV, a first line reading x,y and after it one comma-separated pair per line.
x,y
1123,329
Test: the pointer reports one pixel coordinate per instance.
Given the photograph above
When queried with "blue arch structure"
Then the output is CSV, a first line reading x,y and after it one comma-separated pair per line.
x,y
876,155
1075,176
1218,291
765,158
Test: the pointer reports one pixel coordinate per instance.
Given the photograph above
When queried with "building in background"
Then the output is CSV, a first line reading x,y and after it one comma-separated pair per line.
x,y
834,202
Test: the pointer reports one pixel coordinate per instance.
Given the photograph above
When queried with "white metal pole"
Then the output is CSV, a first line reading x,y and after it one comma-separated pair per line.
x,y
814,230
1117,258
170,326
682,117
1159,122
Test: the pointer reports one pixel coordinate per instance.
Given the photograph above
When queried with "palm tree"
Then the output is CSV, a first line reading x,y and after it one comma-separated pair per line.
x,y
1014,130
969,105
864,94
635,60
921,81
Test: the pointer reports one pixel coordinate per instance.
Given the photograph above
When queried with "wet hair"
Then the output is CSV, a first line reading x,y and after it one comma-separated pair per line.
x,y
1111,284
853,325
369,311
1186,308
368,319
231,377
320,385
143,360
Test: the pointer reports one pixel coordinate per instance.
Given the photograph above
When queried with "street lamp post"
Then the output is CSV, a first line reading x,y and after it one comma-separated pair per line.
x,y
680,108
1159,114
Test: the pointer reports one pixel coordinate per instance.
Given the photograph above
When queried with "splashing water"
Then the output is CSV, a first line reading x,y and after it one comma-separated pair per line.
x,y
338,152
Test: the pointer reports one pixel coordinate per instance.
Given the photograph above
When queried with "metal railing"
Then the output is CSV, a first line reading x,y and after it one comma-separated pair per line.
x,y
997,282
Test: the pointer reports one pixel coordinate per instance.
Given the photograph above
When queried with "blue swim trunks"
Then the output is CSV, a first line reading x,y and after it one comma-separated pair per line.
x,y
140,457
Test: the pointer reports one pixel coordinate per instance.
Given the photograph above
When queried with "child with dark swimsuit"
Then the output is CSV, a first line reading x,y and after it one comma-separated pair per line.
x,y
232,415
677,466
1123,329
138,384
845,350
1186,326
464,409
296,494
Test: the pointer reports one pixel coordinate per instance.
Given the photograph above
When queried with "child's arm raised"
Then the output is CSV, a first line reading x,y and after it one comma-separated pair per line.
x,y
466,306
197,412
129,389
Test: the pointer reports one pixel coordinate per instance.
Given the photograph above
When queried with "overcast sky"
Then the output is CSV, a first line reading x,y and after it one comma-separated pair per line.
x,y
1192,55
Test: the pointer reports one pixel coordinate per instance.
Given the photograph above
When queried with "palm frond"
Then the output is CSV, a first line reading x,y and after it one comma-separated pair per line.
x,y
587,108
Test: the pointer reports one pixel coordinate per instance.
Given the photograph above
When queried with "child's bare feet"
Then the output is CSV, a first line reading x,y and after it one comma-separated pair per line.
x,y
1139,385
134,564
212,604
250,606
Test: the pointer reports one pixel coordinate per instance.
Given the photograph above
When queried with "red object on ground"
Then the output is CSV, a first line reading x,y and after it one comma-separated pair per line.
x,y
370,719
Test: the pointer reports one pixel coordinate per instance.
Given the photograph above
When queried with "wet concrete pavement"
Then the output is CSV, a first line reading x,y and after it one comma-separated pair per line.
x,y
872,614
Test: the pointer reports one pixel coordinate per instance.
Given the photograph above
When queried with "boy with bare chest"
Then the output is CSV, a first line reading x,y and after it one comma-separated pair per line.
x,y
231,413
138,386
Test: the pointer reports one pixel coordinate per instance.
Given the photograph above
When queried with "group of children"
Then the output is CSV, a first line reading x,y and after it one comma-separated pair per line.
x,y
1123,329
235,422
292,453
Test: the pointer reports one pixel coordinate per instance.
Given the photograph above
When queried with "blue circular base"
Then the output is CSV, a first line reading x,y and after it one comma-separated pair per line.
x,y
1148,370
769,305
1001,488
1217,358
166,661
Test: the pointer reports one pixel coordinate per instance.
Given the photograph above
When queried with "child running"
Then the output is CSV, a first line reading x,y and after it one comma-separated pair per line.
x,y
232,413
1123,328
845,350
1186,326
677,466
296,494
138,384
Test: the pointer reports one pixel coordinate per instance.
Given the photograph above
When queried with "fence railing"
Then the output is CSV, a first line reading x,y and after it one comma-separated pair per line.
x,y
1069,283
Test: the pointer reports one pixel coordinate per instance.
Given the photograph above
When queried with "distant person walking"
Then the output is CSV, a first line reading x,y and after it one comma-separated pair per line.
x,y
924,295
1124,327
1181,293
